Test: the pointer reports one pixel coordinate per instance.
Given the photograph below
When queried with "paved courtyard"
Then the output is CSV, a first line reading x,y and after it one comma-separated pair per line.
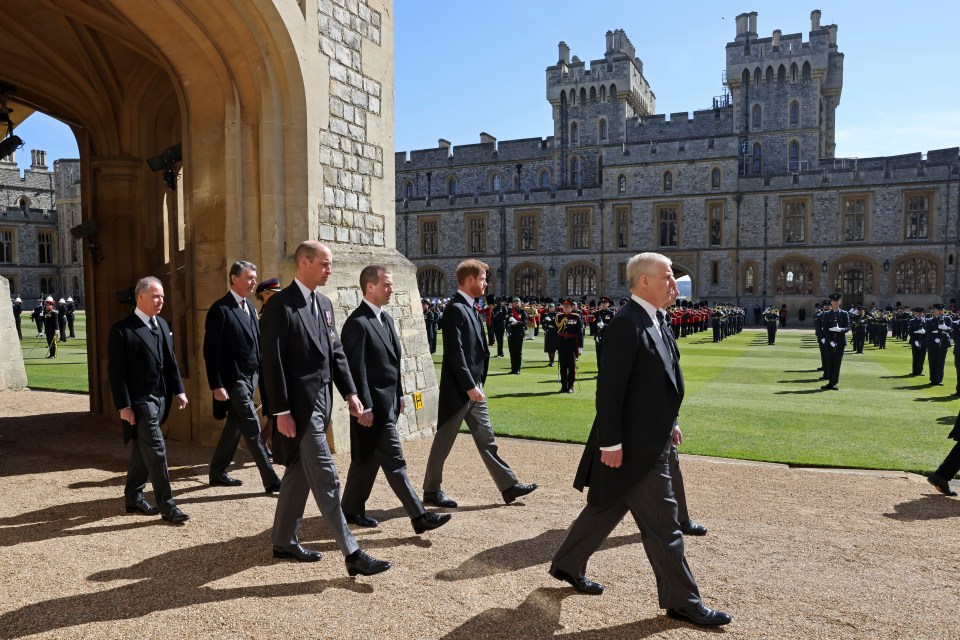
x,y
791,553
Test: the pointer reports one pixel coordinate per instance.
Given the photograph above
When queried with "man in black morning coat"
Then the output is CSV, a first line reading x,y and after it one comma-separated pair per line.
x,y
373,349
626,459
231,353
145,380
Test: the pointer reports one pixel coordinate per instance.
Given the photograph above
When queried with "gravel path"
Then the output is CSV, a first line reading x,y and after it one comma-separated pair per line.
x,y
791,553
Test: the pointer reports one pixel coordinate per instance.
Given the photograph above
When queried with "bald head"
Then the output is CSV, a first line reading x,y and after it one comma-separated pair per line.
x,y
314,263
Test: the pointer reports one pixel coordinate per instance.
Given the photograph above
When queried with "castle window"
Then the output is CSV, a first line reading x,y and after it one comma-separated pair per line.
x,y
757,119
622,184
794,155
917,219
757,159
715,219
593,94
516,182
48,284
916,275
745,78
794,221
24,203
769,75
794,72
8,244
854,218
580,228
667,181
621,217
45,247
408,189
544,179
782,74
715,272
575,172
603,93
795,278
452,186
806,72
603,130
613,93
430,280
528,280
668,221
495,182
622,274
573,98
794,114
715,179
476,224
581,280
528,231
757,76
748,279
854,279
583,95
429,236
574,133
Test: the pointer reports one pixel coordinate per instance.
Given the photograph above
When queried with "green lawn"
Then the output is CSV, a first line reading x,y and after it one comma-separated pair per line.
x,y
66,372
747,399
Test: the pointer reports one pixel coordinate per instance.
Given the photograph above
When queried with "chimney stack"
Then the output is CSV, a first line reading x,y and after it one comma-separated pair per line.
x,y
564,53
815,20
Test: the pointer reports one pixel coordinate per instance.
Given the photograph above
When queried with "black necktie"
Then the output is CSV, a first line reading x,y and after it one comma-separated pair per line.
x,y
155,329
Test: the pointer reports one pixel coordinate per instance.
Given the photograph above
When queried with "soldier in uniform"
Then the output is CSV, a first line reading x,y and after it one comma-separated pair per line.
x,y
858,328
772,318
37,316
916,329
17,310
516,331
71,309
50,324
835,324
498,325
569,344
62,319
821,335
549,323
938,342
601,319
430,318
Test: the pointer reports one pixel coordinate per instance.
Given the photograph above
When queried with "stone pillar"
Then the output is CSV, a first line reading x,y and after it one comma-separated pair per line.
x,y
13,377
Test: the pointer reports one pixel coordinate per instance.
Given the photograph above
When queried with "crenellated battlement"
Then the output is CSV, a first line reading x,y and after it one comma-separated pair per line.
x,y
489,152
706,123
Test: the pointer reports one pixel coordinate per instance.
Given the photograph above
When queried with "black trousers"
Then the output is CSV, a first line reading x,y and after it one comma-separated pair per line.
x,y
242,420
937,357
148,456
951,464
676,479
919,355
567,358
515,344
51,343
771,333
497,334
834,358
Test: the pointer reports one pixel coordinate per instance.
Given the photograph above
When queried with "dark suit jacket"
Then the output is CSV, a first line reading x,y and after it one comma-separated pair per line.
x,y
231,346
465,356
638,399
373,352
301,355
134,365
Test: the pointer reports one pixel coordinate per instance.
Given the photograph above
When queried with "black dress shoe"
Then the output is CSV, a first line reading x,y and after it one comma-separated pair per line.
x,y
439,499
700,614
692,528
941,484
141,505
297,553
829,387
429,521
273,487
360,519
225,481
360,562
518,490
581,584
175,516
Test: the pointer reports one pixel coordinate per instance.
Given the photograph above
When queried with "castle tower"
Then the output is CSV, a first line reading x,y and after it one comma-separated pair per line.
x,y
591,106
785,94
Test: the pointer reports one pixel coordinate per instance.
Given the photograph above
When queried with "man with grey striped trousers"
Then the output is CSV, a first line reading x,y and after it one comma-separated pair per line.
x,y
626,460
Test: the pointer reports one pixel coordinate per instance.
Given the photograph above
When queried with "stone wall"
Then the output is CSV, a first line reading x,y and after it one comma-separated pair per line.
x,y
13,377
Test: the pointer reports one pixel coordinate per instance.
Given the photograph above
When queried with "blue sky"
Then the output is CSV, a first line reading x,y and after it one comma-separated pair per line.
x,y
465,67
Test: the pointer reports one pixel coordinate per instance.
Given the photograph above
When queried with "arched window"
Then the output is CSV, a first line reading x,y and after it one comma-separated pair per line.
x,y
593,94
916,275
794,114
757,159
516,182
854,279
583,95
794,154
715,178
757,76
749,278
613,93
581,280
669,222
574,133
573,98
757,119
603,93
575,172
495,182
528,280
805,74
431,282
24,203
769,74
544,179
745,78
622,184
603,130
794,73
452,186
782,74
795,278
407,189
667,181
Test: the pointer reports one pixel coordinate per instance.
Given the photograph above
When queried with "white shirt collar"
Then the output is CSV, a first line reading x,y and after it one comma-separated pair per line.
x,y
238,298
376,310
650,309
469,297
304,290
142,316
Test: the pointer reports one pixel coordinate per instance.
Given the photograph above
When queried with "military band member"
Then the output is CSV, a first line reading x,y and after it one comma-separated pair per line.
x,y
569,344
836,324
62,319
50,324
498,325
37,316
548,321
71,309
516,331
858,328
430,318
772,318
601,319
916,329
938,342
17,310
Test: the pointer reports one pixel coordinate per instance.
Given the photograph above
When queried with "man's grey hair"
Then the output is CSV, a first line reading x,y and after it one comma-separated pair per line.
x,y
143,284
643,263
237,267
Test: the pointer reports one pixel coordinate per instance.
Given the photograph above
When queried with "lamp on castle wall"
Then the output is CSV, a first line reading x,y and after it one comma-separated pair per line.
x,y
165,162
886,265
823,267
9,145
552,271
